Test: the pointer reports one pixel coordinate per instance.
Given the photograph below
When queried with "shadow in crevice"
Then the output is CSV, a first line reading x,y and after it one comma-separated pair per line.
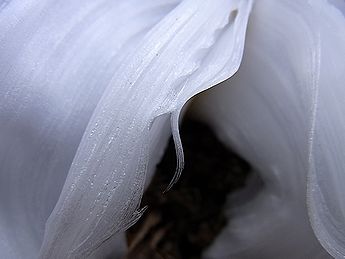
x,y
183,222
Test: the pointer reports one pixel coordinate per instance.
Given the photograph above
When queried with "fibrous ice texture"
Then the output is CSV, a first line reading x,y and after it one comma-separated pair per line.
x,y
91,90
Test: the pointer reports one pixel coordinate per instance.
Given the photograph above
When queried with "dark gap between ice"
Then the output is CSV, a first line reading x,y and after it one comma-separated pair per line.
x,y
183,222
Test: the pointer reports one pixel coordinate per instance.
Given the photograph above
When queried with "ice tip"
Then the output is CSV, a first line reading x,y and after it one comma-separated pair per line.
x,y
179,151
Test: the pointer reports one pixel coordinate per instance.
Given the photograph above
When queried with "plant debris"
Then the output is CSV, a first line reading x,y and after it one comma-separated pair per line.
x,y
183,222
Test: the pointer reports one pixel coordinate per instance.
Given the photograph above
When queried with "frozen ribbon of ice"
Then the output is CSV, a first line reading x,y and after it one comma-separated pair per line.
x,y
56,58
82,83
284,112
89,90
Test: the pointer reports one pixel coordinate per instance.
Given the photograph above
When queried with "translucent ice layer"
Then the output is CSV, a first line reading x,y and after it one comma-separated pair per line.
x,y
91,90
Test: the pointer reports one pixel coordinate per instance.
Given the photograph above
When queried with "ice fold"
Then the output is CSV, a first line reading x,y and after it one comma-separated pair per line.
x,y
177,58
56,58
283,112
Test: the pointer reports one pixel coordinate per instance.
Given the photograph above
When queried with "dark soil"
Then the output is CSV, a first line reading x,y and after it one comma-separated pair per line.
x,y
183,222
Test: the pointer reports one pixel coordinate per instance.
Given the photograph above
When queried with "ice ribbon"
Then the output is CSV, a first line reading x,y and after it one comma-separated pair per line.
x,y
292,79
110,76
146,59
